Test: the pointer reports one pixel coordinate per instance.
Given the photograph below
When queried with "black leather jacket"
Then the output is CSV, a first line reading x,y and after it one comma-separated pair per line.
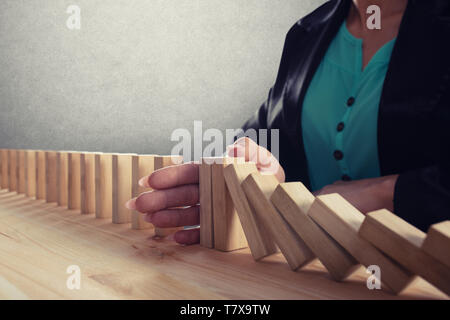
x,y
414,111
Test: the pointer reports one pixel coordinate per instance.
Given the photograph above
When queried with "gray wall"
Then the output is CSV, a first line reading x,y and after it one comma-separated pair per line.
x,y
137,69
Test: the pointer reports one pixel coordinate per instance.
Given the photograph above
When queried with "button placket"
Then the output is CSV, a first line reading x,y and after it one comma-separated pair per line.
x,y
339,152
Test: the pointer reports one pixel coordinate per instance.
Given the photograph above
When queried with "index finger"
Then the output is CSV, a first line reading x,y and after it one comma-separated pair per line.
x,y
173,176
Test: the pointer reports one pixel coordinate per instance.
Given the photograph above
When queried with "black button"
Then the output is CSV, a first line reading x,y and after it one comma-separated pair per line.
x,y
340,126
338,155
346,178
350,101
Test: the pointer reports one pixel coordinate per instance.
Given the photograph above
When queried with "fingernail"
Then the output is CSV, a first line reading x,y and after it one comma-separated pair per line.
x,y
143,182
131,204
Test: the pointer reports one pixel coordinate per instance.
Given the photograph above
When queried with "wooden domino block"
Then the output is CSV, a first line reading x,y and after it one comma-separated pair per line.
x,y
293,201
228,232
342,221
21,186
76,181
51,176
127,175
30,172
162,162
166,161
5,168
62,182
41,176
4,156
402,242
108,186
146,167
12,170
91,182
206,204
437,242
258,189
259,240
1,168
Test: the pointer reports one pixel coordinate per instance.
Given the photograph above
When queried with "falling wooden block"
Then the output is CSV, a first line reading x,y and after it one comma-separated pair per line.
x,y
437,242
91,182
402,242
293,201
62,159
162,162
76,181
146,167
228,232
51,172
30,172
41,176
22,186
258,189
342,221
127,175
257,235
206,204
12,170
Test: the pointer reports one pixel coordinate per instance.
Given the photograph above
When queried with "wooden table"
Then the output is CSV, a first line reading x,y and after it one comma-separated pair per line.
x,y
38,241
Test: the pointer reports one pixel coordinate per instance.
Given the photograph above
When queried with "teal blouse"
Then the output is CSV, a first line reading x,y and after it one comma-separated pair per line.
x,y
340,112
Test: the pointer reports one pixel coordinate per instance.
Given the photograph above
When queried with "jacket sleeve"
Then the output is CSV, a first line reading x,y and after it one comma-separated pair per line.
x,y
259,118
422,197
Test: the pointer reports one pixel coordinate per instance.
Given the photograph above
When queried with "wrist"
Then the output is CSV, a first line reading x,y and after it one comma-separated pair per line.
x,y
385,190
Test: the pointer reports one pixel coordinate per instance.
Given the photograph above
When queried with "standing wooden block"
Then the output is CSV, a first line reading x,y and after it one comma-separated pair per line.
x,y
21,187
293,201
13,170
127,175
437,242
30,172
41,176
5,168
162,162
206,204
228,232
108,186
62,159
51,167
146,167
92,183
76,175
342,221
1,150
402,242
258,237
258,189
166,161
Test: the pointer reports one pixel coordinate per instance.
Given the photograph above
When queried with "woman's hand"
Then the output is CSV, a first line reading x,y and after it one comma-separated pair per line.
x,y
175,196
367,194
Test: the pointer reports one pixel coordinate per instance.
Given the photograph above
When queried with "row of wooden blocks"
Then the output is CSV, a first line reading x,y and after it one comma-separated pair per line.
x,y
240,207
94,183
